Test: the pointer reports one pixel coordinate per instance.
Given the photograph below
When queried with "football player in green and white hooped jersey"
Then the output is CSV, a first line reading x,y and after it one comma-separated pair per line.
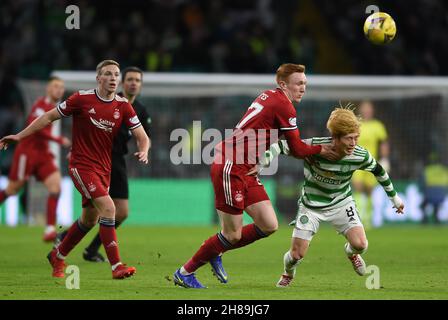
x,y
326,193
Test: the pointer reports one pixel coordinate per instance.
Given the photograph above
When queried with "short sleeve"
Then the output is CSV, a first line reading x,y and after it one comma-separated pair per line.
x,y
131,119
69,106
285,117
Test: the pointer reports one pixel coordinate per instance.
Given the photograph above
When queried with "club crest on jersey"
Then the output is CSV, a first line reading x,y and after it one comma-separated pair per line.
x,y
329,174
116,114
292,121
91,186
238,196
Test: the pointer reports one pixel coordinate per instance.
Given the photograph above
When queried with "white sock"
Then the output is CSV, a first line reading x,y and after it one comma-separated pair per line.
x,y
290,264
184,272
115,266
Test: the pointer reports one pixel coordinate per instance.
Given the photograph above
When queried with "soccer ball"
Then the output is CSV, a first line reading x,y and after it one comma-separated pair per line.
x,y
380,28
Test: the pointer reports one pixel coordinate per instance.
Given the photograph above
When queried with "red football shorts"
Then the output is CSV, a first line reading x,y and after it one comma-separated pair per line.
x,y
234,191
28,163
91,185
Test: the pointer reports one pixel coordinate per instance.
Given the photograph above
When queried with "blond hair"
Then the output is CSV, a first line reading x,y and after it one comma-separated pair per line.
x,y
343,121
287,69
104,63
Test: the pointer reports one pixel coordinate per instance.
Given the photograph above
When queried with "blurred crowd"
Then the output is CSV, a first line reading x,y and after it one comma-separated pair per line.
x,y
221,36
237,36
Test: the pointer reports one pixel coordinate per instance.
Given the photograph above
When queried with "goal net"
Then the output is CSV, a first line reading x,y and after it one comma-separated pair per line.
x,y
414,111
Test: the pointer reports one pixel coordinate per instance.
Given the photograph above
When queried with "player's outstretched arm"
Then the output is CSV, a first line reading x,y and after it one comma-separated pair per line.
x,y
301,150
280,147
384,180
143,144
297,147
38,124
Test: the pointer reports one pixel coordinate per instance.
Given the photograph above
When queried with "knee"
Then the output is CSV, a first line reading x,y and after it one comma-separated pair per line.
x,y
121,215
270,229
89,222
108,211
232,237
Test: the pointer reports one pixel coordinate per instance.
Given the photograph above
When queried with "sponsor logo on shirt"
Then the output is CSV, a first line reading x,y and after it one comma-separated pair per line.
x,y
102,124
92,111
326,180
292,121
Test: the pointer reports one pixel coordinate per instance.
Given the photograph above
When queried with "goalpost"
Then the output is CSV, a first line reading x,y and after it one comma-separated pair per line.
x,y
413,109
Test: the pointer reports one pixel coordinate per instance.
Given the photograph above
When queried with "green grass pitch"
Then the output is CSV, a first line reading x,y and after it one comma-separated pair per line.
x,y
413,264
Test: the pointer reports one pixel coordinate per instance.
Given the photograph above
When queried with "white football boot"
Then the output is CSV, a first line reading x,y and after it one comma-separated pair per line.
x,y
358,264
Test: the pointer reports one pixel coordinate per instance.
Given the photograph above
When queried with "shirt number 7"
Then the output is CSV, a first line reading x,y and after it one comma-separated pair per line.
x,y
256,109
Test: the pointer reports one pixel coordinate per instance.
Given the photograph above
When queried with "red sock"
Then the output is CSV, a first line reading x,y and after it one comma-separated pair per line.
x,y
210,249
109,239
249,234
52,204
3,196
76,232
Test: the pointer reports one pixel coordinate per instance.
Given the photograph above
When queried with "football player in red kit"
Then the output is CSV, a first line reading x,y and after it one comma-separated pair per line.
x,y
97,117
32,157
270,115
